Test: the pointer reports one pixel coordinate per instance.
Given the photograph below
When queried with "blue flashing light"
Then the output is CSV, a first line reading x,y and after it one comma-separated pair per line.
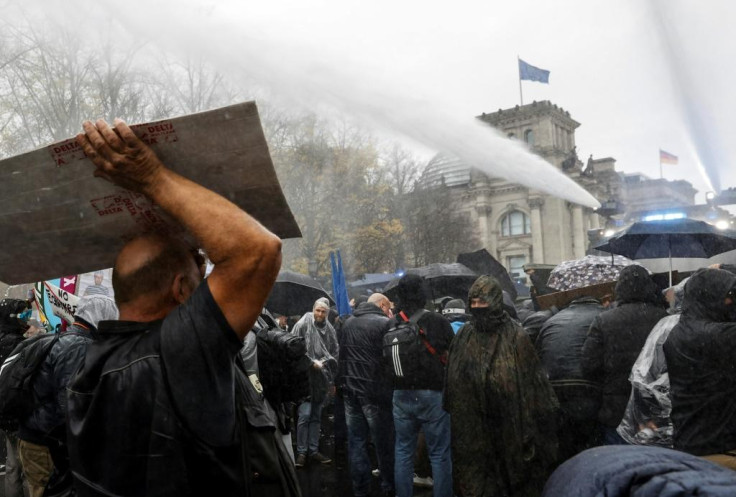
x,y
400,273
667,216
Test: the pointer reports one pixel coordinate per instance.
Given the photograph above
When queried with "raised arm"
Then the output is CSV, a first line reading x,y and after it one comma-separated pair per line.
x,y
246,255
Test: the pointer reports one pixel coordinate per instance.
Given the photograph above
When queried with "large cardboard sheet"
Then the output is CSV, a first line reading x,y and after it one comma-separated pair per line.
x,y
57,219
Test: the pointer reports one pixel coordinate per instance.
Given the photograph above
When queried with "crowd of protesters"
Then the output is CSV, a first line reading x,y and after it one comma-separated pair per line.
x,y
187,386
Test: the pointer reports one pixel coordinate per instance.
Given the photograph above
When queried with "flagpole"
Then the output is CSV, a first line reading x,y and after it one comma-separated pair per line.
x,y
661,174
521,94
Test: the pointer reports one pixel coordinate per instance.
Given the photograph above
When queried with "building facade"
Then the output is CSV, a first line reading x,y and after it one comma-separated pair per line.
x,y
518,225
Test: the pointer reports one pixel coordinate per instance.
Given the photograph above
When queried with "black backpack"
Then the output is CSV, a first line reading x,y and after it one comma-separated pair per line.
x,y
406,348
16,379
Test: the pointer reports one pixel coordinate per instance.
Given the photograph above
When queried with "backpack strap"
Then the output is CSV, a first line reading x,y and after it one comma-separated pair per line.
x,y
422,334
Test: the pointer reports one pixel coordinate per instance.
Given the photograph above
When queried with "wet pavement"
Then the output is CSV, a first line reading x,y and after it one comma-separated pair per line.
x,y
333,480
316,480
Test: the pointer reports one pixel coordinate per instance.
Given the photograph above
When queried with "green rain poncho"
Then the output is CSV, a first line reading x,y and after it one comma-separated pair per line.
x,y
503,408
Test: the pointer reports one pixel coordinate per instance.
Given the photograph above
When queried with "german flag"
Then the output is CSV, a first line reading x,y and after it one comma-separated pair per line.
x,y
667,158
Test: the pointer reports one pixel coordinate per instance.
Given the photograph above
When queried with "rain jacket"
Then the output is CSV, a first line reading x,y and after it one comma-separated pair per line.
x,y
700,353
647,420
502,407
361,360
630,471
616,338
321,346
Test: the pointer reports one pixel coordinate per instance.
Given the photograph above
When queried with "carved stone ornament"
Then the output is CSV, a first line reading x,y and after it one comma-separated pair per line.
x,y
536,203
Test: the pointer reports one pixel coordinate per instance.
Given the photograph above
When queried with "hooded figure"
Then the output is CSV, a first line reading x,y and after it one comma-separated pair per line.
x,y
615,340
647,420
321,341
502,407
700,354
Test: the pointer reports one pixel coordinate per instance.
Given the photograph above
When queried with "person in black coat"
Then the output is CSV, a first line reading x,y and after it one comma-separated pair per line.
x,y
615,340
700,353
560,349
367,393
12,327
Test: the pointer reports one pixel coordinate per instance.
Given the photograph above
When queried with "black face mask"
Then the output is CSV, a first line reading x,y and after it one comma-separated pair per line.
x,y
485,319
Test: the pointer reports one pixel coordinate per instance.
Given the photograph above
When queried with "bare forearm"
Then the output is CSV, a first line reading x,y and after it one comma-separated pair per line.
x,y
225,231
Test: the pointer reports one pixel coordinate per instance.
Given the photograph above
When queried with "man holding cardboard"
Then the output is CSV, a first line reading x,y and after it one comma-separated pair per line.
x,y
157,407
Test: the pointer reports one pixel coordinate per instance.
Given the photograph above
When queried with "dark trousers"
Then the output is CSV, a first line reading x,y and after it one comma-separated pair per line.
x,y
367,419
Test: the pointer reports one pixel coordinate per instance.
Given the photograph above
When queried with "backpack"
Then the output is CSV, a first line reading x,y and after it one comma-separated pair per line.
x,y
16,379
405,347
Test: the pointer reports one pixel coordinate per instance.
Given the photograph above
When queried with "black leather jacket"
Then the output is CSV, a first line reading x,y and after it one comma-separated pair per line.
x,y
560,341
46,425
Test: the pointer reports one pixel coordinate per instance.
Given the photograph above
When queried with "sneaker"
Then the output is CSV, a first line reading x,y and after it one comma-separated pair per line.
x,y
426,482
301,460
376,472
320,458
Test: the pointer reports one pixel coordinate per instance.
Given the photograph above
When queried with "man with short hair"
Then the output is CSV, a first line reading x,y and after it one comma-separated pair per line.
x,y
322,349
97,288
157,407
417,401
367,393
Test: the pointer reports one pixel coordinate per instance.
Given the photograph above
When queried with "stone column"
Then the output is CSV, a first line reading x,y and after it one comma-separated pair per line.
x,y
484,214
595,222
578,233
536,224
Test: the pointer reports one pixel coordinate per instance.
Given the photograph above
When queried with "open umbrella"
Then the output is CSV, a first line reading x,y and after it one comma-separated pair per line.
x,y
453,280
670,238
294,294
482,262
590,270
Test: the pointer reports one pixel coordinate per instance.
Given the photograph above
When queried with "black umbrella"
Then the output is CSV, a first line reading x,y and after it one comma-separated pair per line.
x,y
482,262
441,280
295,294
670,238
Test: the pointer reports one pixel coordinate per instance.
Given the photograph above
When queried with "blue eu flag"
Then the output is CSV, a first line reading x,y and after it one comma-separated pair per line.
x,y
530,73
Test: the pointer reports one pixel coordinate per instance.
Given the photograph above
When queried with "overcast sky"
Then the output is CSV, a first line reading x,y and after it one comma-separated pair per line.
x,y
638,75
609,62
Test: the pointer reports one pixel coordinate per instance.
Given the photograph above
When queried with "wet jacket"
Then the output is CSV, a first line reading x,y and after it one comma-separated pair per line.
x,y
10,337
46,424
560,342
630,471
502,407
533,323
616,338
439,335
361,354
701,360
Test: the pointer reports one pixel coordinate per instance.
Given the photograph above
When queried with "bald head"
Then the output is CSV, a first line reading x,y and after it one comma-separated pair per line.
x,y
146,268
382,302
377,298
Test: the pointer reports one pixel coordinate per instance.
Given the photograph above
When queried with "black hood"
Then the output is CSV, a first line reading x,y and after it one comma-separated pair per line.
x,y
635,285
705,292
367,308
